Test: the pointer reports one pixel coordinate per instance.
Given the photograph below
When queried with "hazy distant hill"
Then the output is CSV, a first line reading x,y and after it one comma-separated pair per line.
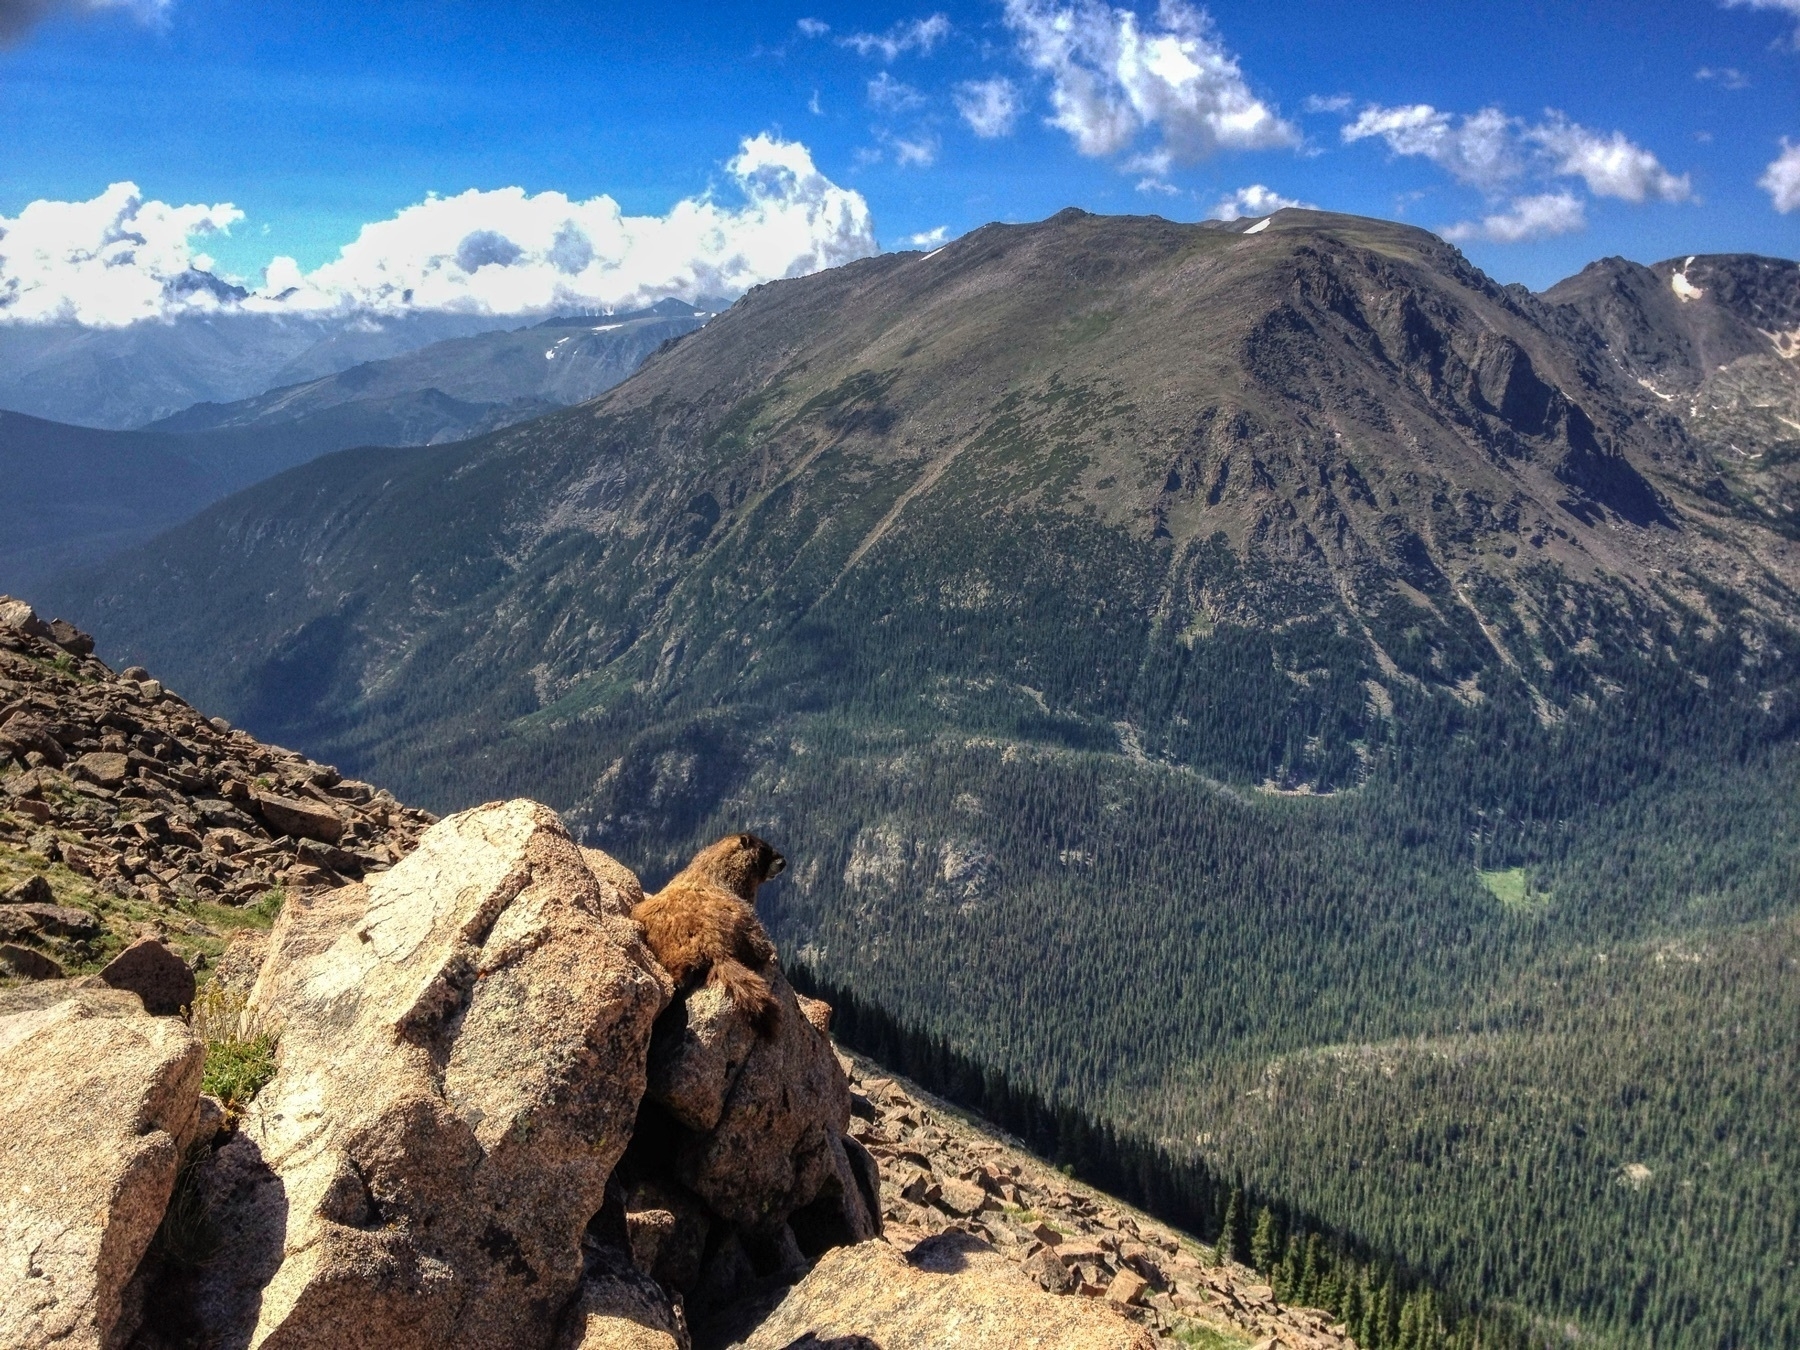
x,y
118,378
1386,676
494,378
77,496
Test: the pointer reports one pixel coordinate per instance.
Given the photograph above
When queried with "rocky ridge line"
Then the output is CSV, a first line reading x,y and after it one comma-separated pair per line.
x,y
945,1173
125,813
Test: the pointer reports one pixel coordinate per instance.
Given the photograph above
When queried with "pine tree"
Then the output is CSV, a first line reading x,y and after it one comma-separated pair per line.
x,y
1311,1272
1265,1245
1288,1270
1234,1242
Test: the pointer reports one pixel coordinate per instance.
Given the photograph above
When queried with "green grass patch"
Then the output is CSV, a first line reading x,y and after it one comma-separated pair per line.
x,y
1204,1337
236,1070
1514,889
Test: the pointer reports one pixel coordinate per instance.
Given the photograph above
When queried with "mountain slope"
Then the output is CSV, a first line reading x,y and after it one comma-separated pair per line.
x,y
1306,631
1717,341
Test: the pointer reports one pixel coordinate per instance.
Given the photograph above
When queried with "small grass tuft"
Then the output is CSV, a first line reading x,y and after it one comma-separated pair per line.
x,y
240,1054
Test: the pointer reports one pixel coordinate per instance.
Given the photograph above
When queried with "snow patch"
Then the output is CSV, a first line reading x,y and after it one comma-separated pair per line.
x,y
1684,289
1260,225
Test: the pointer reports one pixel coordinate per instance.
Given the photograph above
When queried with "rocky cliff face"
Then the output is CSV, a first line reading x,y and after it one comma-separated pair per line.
x,y
493,1120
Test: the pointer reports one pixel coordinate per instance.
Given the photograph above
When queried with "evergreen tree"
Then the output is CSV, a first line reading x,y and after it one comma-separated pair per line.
x,y
1265,1245
1234,1241
1312,1272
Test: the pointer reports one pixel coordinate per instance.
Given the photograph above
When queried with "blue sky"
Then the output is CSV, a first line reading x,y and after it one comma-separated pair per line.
x,y
314,120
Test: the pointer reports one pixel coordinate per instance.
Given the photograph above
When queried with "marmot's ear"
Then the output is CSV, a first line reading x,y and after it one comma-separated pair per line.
x,y
746,841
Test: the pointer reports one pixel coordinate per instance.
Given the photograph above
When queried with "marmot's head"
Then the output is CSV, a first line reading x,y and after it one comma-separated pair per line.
x,y
739,862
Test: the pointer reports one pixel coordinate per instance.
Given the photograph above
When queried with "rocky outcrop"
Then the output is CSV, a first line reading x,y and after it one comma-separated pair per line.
x,y
949,1290
100,1101
761,1120
129,802
462,1050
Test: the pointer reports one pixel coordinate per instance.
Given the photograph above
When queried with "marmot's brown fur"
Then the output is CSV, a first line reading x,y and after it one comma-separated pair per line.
x,y
703,925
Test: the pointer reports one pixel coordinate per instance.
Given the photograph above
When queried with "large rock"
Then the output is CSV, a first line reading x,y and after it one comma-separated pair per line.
x,y
98,1102
620,1308
952,1290
763,1119
300,819
462,1054
155,974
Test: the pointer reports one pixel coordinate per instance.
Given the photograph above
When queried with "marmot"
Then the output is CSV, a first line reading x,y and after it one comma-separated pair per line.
x,y
703,924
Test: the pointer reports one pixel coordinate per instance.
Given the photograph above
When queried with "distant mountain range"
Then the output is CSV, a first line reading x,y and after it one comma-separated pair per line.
x,y
78,495
1263,683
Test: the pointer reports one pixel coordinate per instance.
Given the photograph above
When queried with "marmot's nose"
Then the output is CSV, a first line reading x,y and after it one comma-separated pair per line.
x,y
777,865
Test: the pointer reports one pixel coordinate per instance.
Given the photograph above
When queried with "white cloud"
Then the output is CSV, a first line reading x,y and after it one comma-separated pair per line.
x,y
990,107
929,238
1490,151
108,261
1728,76
1529,218
1111,78
813,28
17,17
921,152
1781,6
1781,180
1610,165
1321,103
1479,149
1255,200
913,35
119,258
891,95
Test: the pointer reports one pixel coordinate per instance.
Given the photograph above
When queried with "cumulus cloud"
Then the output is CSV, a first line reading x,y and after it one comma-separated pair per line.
x,y
891,95
990,107
18,17
120,258
1781,180
1528,218
109,261
1493,152
931,238
1480,149
912,35
1255,200
1610,165
1113,77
